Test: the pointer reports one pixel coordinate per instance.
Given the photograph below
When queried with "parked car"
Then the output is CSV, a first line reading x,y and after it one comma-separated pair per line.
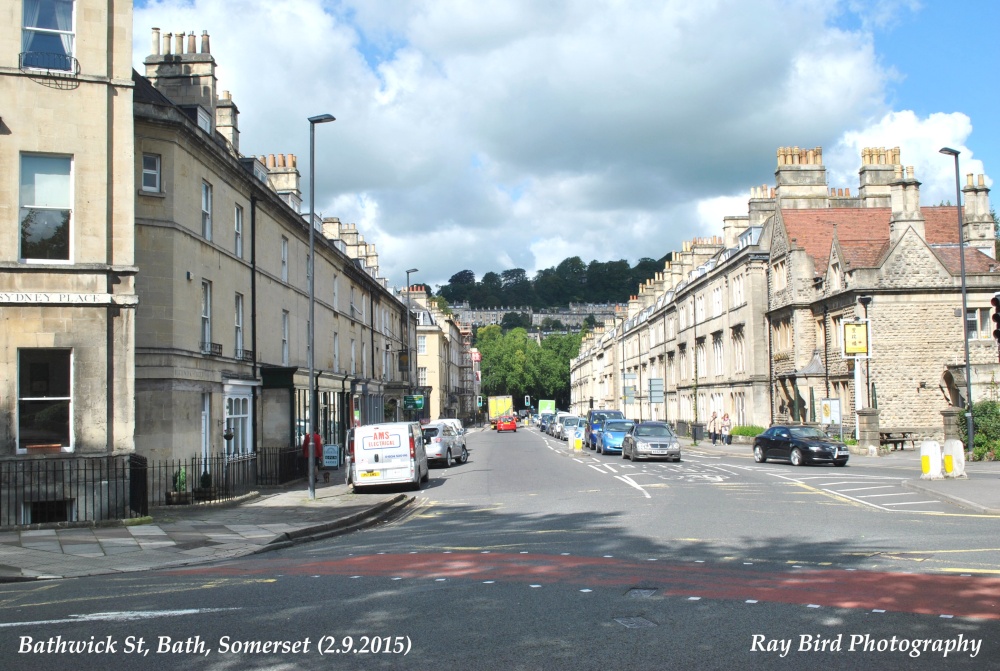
x,y
555,427
594,419
651,440
384,454
609,435
443,444
799,445
567,425
544,420
506,423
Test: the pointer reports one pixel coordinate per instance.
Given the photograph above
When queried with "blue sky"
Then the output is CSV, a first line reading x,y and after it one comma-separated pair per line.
x,y
496,135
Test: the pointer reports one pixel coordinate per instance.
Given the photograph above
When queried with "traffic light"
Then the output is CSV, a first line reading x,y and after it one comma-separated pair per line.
x,y
479,401
995,302
527,401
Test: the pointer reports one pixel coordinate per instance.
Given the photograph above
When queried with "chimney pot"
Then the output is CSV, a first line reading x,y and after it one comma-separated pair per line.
x,y
156,41
179,43
168,40
191,43
205,43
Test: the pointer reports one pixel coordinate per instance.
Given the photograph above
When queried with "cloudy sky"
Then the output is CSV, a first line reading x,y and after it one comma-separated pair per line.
x,y
488,135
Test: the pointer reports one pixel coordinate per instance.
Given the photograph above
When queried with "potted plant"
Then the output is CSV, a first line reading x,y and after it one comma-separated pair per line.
x,y
179,495
205,491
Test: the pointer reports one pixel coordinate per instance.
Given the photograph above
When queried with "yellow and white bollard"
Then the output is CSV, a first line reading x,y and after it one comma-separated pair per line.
x,y
954,459
930,460
577,444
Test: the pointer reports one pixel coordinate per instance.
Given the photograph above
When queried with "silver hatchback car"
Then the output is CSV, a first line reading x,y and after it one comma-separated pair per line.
x,y
444,444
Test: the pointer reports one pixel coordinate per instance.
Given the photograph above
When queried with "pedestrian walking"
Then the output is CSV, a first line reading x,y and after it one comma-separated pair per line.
x,y
725,425
713,428
316,443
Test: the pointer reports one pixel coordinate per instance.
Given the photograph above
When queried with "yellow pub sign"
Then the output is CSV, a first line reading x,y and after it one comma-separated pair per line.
x,y
856,338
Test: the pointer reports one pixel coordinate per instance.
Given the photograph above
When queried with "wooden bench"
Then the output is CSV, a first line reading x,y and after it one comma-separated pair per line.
x,y
898,438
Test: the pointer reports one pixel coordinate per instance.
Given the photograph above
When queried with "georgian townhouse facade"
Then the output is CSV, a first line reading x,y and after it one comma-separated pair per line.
x,y
444,360
222,347
753,323
67,286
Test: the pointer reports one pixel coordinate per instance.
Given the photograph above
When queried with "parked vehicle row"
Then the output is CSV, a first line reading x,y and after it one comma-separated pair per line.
x,y
401,452
608,432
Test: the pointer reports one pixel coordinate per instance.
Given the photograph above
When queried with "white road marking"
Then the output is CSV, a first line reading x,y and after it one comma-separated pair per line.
x,y
632,483
123,616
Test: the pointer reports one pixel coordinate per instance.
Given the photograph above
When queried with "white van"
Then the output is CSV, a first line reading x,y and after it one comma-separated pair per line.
x,y
388,454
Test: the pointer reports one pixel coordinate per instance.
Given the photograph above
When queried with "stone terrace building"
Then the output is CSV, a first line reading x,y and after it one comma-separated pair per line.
x,y
67,292
222,328
753,323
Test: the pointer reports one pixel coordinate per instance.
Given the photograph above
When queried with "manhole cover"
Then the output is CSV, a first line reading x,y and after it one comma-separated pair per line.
x,y
634,622
640,592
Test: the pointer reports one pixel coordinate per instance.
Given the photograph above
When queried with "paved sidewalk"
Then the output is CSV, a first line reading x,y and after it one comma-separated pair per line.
x,y
185,535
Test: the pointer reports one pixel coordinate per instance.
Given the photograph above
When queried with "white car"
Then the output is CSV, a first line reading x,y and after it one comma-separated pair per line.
x,y
444,444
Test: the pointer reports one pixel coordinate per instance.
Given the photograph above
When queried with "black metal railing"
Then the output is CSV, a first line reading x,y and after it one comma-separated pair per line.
x,y
245,355
212,348
201,479
278,465
52,63
65,490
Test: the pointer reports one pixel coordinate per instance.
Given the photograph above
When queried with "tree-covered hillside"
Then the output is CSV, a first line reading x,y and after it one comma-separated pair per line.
x,y
572,281
517,365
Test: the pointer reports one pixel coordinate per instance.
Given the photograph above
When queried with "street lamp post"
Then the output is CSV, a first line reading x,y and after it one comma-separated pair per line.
x,y
313,120
965,303
409,351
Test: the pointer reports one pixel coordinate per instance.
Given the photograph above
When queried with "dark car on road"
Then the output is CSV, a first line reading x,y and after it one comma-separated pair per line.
x,y
799,445
651,440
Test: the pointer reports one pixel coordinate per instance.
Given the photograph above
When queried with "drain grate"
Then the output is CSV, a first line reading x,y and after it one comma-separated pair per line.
x,y
640,592
634,622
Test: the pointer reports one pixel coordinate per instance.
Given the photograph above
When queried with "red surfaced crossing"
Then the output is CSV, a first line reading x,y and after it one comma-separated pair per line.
x,y
960,596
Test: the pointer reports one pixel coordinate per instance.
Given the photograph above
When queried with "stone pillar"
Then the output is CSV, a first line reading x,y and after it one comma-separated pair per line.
x,y
868,442
952,429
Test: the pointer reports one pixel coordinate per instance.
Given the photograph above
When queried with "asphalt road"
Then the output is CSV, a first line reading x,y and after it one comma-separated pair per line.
x,y
532,557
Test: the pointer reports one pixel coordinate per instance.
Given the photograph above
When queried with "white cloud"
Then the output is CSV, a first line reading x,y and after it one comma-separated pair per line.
x,y
484,136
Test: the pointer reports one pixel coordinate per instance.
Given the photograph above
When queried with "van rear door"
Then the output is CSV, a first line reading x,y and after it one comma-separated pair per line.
x,y
382,454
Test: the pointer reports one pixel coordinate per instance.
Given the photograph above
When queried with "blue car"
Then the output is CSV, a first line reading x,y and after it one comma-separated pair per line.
x,y
609,434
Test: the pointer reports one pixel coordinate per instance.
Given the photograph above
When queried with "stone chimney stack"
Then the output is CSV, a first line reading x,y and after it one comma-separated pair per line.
x,y
801,178
904,193
284,178
761,206
227,120
731,229
878,169
186,77
977,226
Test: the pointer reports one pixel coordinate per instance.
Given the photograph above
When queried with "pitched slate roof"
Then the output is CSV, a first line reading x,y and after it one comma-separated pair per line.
x,y
145,92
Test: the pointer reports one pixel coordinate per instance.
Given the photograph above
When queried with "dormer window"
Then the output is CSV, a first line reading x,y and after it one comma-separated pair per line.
x,y
204,120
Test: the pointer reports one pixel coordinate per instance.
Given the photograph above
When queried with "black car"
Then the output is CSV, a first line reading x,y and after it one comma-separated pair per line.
x,y
799,445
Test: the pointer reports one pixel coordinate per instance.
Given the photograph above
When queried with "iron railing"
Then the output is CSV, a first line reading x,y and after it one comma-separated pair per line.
x,y
201,479
69,490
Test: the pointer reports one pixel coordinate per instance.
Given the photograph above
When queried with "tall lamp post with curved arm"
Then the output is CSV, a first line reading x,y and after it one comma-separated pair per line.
x,y
313,120
965,302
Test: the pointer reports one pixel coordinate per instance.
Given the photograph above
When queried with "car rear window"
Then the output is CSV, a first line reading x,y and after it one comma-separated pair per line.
x,y
431,432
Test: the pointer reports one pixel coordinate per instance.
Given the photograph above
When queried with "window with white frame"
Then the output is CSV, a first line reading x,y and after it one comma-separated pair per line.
x,y
206,316
716,301
718,355
980,323
336,293
421,376
284,259
238,336
364,360
779,275
699,308
421,344
44,399
336,351
739,351
354,357
683,363
46,214
838,333
238,231
702,358
206,210
738,297
284,337
238,422
151,173
47,37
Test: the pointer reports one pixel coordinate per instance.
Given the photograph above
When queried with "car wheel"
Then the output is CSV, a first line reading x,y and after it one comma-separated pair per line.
x,y
758,454
624,453
796,457
465,456
447,459
600,449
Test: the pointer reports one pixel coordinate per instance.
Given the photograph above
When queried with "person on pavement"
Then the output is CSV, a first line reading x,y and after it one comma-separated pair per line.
x,y
725,425
713,428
